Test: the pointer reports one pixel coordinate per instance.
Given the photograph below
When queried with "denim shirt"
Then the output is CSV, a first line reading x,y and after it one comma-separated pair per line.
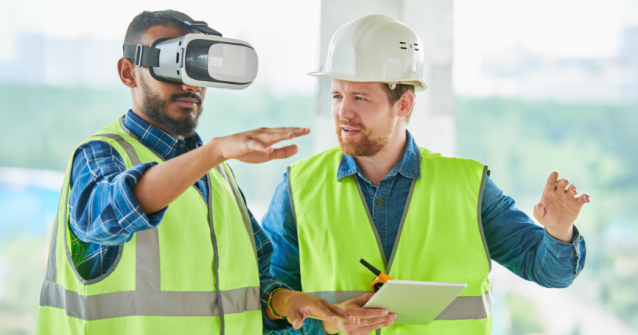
x,y
104,213
513,239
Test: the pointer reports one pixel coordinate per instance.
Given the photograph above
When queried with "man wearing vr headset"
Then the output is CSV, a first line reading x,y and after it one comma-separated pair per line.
x,y
410,212
152,234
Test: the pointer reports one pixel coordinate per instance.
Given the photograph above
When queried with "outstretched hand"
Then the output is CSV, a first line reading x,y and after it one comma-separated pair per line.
x,y
297,306
369,319
559,207
255,146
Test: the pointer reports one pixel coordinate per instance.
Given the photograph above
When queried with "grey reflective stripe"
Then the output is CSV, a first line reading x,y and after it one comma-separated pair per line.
x,y
374,227
464,308
52,271
292,202
218,293
147,262
461,308
125,145
480,219
337,297
405,213
241,205
149,303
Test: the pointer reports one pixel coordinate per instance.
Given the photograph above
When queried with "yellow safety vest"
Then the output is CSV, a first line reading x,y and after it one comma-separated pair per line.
x,y
440,237
196,273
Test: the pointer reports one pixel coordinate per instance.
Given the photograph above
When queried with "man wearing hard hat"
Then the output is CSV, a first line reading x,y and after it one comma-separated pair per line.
x,y
412,213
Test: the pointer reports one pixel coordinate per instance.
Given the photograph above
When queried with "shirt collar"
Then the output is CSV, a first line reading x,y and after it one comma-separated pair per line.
x,y
162,143
409,165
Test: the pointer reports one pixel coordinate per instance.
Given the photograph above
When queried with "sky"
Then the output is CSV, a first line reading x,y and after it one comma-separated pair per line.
x,y
285,33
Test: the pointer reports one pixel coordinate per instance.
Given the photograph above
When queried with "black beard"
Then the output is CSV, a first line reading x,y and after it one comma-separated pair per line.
x,y
155,109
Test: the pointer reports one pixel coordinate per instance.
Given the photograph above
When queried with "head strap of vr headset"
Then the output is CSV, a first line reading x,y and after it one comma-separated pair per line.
x,y
149,56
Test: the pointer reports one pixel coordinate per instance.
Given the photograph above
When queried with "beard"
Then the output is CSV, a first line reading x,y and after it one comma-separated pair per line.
x,y
156,109
369,143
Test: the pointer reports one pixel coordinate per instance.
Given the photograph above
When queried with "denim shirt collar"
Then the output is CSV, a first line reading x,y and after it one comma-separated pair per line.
x,y
409,165
162,143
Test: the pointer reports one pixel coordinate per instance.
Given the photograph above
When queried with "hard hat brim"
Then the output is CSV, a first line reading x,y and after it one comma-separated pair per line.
x,y
347,77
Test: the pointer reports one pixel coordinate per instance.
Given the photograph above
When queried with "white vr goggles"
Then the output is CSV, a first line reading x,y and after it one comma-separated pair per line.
x,y
208,60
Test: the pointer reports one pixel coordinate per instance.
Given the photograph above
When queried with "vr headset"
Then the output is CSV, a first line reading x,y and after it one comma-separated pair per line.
x,y
207,59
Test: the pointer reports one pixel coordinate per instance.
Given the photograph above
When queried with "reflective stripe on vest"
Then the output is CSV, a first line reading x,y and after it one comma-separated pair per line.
x,y
146,297
440,237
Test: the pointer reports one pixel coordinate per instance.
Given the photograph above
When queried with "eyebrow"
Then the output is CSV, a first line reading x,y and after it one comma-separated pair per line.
x,y
353,93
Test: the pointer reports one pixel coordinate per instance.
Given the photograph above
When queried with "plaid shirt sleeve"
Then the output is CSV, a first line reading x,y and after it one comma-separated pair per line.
x,y
102,207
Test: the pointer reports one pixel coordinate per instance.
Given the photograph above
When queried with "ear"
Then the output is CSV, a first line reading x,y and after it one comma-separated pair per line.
x,y
126,70
404,104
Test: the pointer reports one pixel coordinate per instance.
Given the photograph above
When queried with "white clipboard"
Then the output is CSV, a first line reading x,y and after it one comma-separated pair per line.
x,y
415,302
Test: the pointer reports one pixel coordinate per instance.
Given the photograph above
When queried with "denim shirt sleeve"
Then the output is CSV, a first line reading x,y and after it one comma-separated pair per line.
x,y
523,247
102,207
280,226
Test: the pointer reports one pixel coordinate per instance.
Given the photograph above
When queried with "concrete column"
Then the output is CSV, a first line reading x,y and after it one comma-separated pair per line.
x,y
432,122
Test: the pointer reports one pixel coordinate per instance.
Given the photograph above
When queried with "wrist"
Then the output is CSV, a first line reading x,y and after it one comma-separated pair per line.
x,y
214,151
563,235
281,301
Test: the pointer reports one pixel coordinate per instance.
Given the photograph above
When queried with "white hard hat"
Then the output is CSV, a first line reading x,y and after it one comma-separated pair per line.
x,y
375,48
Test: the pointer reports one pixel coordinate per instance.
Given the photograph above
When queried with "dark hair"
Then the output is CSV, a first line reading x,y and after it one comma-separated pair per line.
x,y
395,94
144,21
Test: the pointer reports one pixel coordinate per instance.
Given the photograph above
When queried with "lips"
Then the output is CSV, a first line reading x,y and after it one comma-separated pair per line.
x,y
348,131
187,102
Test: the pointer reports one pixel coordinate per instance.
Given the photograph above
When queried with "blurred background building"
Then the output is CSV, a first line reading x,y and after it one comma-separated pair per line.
x,y
525,87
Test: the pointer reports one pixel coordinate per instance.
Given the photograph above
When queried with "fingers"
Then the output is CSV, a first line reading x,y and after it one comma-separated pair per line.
x,y
551,182
368,329
360,301
374,321
256,145
572,190
561,184
340,313
273,135
296,318
284,152
322,312
583,199
368,313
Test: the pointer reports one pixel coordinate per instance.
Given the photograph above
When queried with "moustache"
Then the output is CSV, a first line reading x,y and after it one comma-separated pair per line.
x,y
195,96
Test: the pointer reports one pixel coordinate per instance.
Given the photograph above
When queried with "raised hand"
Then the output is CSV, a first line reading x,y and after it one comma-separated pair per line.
x,y
369,319
255,146
559,207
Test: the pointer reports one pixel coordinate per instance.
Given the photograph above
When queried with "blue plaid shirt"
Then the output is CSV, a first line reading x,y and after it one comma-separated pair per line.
x,y
104,213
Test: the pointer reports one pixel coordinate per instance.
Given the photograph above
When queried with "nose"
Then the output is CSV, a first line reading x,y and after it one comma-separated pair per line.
x,y
192,89
344,109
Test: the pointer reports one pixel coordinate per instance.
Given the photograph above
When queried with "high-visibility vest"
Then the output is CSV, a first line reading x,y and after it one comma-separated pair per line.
x,y
196,273
440,237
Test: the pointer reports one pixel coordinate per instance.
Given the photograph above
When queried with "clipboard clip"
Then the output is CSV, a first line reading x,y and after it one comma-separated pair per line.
x,y
381,278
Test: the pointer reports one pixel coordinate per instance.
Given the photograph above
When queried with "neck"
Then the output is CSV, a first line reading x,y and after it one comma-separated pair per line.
x,y
377,167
